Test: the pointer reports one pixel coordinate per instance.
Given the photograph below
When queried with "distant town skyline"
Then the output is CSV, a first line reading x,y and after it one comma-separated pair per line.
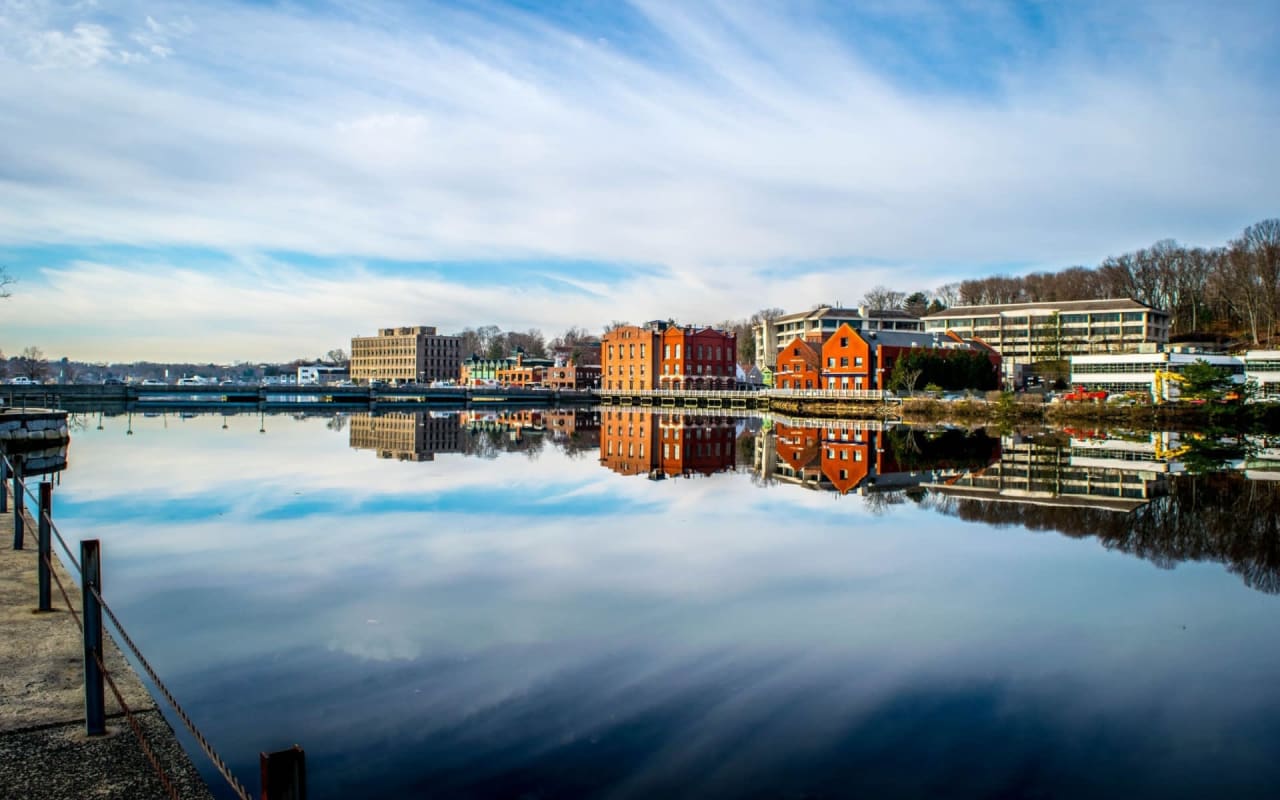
x,y
222,182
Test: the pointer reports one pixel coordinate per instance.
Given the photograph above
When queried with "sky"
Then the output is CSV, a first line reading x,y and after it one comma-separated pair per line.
x,y
262,181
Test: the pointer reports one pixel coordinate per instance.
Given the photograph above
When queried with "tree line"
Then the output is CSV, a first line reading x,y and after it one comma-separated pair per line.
x,y
1233,289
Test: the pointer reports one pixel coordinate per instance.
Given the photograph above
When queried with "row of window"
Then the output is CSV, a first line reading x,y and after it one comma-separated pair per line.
x,y
1145,368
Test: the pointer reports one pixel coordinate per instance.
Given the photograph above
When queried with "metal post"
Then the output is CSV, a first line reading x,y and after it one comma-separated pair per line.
x,y
18,503
44,534
284,774
4,496
95,712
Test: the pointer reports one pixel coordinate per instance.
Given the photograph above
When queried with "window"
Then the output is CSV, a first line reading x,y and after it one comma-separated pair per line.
x,y
677,351
831,361
844,341
666,351
844,361
857,362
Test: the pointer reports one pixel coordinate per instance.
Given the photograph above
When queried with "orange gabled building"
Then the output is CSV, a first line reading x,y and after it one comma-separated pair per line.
x,y
799,365
847,360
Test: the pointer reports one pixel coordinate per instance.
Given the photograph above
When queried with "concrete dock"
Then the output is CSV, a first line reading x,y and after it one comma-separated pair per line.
x,y
44,752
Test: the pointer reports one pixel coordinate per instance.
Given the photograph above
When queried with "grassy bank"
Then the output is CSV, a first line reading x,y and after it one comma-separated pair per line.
x,y
1008,410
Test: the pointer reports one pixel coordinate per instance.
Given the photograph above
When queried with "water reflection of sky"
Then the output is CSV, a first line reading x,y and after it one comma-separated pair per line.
x,y
540,626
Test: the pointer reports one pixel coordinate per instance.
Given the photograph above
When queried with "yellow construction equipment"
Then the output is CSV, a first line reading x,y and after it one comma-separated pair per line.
x,y
1160,384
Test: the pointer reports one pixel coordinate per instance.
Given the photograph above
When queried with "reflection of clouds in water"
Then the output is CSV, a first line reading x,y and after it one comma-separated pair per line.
x,y
701,628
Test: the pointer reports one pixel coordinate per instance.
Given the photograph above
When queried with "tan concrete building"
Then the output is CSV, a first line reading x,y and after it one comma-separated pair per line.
x,y
773,335
415,354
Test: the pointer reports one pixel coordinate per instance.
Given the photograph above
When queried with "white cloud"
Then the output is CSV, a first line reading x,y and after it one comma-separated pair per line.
x,y
753,138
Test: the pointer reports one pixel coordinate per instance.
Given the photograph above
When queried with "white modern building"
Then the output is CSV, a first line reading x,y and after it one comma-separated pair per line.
x,y
822,321
1262,368
1154,373
322,374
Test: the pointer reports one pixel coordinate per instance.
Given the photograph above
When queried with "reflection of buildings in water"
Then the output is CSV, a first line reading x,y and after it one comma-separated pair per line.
x,y
846,457
1109,474
574,429
644,442
416,436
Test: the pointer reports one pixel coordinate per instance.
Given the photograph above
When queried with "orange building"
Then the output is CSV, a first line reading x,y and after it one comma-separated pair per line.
x,y
799,365
629,357
846,360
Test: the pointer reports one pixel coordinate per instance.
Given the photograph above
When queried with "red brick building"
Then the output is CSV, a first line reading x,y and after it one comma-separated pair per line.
x,y
572,376
698,358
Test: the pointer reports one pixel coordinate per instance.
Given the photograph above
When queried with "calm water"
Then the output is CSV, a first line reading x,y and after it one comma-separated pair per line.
x,y
624,606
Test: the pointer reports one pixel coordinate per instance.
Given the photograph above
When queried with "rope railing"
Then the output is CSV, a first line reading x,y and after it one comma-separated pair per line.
x,y
44,518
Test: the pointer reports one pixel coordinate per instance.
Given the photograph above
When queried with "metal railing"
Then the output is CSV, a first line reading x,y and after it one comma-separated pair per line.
x,y
286,763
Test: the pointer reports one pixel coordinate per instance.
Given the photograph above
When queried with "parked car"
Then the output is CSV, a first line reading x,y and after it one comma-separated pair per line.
x,y
112,382
153,382
21,380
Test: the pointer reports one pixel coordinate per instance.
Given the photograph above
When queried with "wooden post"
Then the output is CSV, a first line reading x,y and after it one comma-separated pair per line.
x,y
284,774
95,712
44,545
17,503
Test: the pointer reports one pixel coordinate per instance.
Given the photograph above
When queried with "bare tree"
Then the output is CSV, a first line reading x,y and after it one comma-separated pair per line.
x,y
882,298
337,356
31,364
6,280
615,324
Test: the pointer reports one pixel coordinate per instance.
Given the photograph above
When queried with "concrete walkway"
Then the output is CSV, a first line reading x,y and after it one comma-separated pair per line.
x,y
44,752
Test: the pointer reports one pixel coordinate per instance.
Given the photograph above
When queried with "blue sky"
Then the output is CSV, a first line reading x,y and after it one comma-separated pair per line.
x,y
260,180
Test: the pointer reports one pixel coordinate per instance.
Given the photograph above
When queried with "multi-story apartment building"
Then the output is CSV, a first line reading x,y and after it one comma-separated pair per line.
x,y
415,354
772,335
1025,333
406,437
667,356
523,370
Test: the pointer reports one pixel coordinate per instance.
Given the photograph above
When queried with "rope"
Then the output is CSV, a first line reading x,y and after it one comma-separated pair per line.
x,y
169,788
217,761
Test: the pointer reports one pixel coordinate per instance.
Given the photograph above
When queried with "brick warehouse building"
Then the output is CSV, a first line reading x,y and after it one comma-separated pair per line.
x,y
667,356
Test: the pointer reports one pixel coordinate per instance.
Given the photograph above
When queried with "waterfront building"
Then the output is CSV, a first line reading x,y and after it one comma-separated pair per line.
x,y
405,437
415,354
1026,333
572,376
322,374
668,356
1153,373
697,358
629,356
749,376
822,321
1262,369
799,364
523,370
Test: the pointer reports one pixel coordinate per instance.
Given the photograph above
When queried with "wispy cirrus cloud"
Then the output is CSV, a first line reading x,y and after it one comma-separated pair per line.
x,y
713,142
